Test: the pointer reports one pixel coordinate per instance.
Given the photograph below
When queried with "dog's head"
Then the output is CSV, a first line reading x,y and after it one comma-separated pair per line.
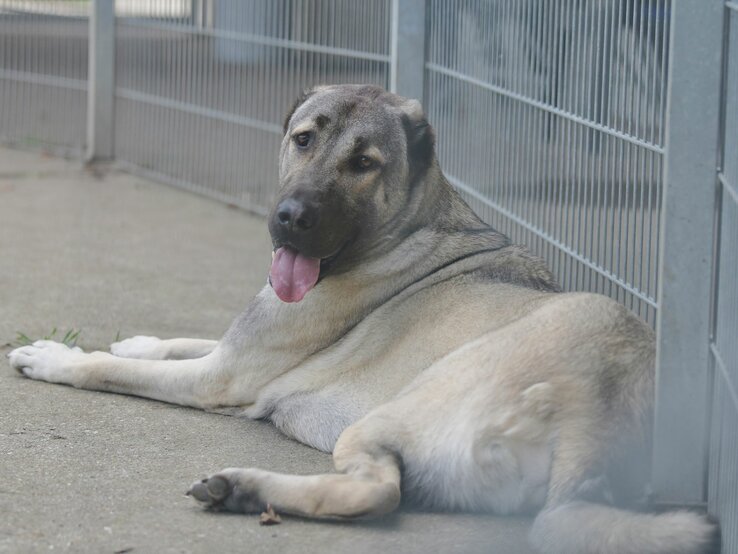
x,y
349,160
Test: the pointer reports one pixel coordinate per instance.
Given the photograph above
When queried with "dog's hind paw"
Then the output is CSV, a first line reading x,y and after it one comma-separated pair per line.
x,y
231,490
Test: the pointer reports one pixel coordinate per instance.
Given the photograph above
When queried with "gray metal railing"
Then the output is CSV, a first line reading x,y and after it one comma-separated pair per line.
x,y
722,491
550,119
43,74
222,88
602,134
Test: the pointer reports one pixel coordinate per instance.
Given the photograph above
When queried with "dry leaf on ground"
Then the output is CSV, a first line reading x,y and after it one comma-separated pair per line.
x,y
270,517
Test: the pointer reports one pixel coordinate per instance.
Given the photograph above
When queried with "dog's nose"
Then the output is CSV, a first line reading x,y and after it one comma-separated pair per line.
x,y
296,215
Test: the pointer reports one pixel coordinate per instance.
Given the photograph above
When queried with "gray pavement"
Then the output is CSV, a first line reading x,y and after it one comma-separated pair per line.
x,y
91,472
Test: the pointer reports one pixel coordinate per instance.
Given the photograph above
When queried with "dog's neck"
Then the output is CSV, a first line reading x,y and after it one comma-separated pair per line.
x,y
433,205
441,207
436,205
435,228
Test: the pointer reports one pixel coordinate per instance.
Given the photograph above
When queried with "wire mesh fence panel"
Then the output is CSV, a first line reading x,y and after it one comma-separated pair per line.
x,y
723,474
202,87
550,121
43,74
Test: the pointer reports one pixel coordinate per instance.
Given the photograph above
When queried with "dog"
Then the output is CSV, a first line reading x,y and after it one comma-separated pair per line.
x,y
437,361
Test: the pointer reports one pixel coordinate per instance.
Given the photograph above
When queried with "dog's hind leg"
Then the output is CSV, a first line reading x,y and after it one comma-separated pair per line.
x,y
153,348
571,524
578,459
367,484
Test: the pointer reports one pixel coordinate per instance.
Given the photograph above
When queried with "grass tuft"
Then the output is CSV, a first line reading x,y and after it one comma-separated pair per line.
x,y
70,338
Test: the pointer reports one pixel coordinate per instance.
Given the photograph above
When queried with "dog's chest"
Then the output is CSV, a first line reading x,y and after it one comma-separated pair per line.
x,y
315,418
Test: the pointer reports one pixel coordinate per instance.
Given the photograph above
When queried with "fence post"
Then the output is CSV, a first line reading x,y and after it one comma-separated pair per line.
x,y
101,77
407,71
685,257
201,12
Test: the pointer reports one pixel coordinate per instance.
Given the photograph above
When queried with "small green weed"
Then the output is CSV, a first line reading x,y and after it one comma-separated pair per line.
x,y
70,338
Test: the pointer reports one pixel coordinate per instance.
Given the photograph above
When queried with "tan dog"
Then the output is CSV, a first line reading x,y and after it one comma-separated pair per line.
x,y
414,342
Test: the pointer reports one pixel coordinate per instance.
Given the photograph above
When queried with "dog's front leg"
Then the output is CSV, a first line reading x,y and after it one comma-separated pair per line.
x,y
201,383
153,348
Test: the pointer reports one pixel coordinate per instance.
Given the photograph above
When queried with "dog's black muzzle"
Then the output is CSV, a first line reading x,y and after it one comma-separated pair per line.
x,y
311,221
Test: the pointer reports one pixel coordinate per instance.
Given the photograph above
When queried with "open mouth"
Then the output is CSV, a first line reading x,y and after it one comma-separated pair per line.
x,y
292,274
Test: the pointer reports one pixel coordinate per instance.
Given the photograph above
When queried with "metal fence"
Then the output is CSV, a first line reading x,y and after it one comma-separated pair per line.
x,y
43,74
723,469
550,119
219,76
603,134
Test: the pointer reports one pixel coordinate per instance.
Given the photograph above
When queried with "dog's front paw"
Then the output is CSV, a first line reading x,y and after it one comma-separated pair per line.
x,y
232,490
139,347
47,361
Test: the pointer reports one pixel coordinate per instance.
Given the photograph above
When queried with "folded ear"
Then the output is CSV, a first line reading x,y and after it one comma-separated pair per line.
x,y
299,101
420,138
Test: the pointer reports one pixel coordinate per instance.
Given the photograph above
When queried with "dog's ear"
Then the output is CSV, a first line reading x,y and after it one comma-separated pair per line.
x,y
420,138
299,101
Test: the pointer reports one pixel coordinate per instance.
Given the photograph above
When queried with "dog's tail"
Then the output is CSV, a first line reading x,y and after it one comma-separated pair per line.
x,y
586,528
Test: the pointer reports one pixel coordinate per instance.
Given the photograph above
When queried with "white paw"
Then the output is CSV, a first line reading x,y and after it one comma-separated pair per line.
x,y
140,347
48,361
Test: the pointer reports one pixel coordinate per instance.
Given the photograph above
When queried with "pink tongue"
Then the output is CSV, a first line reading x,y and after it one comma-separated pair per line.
x,y
292,275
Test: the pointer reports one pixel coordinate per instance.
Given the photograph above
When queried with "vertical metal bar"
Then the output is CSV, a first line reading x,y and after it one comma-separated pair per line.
x,y
208,14
202,13
683,319
101,86
407,70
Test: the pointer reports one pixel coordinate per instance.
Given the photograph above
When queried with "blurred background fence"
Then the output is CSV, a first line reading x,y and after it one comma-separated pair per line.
x,y
603,134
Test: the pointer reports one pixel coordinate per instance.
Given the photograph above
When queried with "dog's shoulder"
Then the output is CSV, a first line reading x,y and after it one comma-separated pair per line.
x,y
515,265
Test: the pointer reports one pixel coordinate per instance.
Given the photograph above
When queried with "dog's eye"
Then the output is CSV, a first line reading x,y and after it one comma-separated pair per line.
x,y
303,139
364,163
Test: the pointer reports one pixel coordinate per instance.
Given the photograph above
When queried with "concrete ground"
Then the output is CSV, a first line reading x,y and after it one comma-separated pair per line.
x,y
92,472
